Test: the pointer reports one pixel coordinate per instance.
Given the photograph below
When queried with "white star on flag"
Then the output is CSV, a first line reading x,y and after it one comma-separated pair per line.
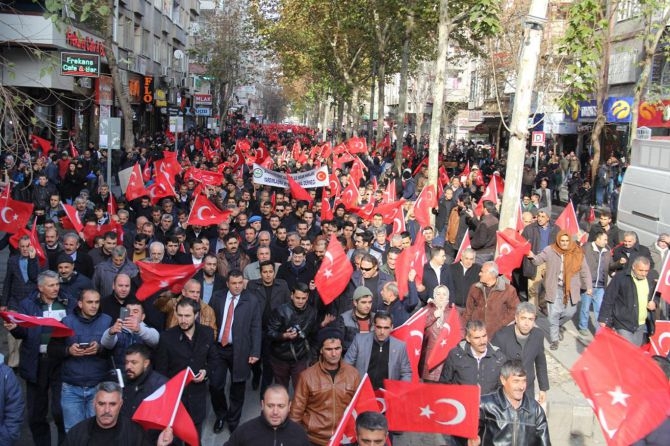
x,y
345,439
618,397
426,412
443,343
163,283
328,273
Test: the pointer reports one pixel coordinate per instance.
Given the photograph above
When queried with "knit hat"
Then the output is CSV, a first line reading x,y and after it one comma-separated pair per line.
x,y
328,333
361,291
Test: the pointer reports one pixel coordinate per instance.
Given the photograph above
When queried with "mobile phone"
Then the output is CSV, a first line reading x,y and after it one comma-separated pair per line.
x,y
124,313
84,344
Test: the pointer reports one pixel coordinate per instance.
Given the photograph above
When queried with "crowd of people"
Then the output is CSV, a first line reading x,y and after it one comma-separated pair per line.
x,y
252,313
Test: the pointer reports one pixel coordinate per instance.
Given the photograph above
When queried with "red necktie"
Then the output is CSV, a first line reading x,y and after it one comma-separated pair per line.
x,y
229,322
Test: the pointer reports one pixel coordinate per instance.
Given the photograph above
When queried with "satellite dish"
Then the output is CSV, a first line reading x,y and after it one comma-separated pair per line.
x,y
178,54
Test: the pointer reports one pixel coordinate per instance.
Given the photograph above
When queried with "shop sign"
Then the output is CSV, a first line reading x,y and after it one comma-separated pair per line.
x,y
161,98
134,89
104,91
654,114
203,111
79,64
148,91
618,109
89,44
202,99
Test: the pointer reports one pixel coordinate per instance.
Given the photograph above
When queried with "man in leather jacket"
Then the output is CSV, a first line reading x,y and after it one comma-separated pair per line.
x,y
508,416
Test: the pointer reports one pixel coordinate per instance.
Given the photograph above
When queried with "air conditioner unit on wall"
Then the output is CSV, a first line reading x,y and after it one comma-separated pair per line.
x,y
165,71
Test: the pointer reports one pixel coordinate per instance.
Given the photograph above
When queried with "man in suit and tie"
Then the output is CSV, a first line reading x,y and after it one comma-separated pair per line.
x,y
237,348
378,354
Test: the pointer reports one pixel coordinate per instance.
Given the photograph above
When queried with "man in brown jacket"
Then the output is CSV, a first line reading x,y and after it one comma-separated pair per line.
x,y
491,300
324,390
192,290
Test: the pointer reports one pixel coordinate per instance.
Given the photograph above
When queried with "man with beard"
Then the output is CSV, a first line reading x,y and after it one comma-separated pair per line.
x,y
297,269
209,279
51,247
231,257
71,282
525,342
188,345
173,255
191,290
140,380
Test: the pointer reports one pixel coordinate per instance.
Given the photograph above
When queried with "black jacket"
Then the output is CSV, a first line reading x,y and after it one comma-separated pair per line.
x,y
258,432
285,317
532,234
461,367
135,391
500,423
430,281
531,355
279,294
128,433
619,309
463,282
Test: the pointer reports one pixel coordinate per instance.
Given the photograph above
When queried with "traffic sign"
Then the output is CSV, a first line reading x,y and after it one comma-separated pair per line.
x,y
537,139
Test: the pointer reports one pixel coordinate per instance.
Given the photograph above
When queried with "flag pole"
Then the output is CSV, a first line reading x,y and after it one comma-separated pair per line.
x,y
181,391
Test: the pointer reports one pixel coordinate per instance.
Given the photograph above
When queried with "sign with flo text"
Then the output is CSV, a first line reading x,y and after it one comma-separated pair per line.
x,y
79,64
537,139
310,179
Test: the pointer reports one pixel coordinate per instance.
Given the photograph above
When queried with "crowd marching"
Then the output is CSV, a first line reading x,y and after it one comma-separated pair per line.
x,y
314,273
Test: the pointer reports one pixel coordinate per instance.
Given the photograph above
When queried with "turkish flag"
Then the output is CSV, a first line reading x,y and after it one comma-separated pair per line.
x,y
297,191
366,211
161,188
164,408
439,408
111,205
216,144
340,149
334,185
390,211
14,215
146,171
444,177
326,210
204,176
35,243
465,244
40,143
357,145
135,188
242,146
512,247
423,162
58,329
261,153
411,333
567,221
350,196
343,159
73,216
499,182
663,284
519,218
426,201
356,173
592,215
412,258
73,150
465,174
490,194
326,150
389,193
92,230
236,160
449,337
334,273
296,149
159,276
658,342
168,165
375,185
629,393
364,400
205,213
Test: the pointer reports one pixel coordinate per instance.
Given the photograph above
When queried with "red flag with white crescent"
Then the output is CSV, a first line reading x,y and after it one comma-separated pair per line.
x,y
465,244
58,329
205,213
448,338
512,247
334,273
411,333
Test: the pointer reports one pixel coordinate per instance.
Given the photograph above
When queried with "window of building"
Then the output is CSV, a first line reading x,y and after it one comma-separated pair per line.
x,y
628,9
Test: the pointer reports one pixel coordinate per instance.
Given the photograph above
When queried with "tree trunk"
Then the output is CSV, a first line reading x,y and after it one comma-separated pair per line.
x,y
402,94
381,82
355,114
120,91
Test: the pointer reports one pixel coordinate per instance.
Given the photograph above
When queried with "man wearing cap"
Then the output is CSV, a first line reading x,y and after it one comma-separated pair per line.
x,y
358,319
71,282
325,389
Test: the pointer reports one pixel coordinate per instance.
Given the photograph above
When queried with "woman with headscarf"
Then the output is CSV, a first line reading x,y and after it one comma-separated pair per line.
x,y
567,273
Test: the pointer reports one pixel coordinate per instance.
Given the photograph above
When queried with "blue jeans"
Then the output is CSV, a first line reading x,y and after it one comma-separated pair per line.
x,y
77,403
586,300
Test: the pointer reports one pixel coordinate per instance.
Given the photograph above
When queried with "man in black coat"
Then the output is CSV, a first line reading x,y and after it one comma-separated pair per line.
x,y
437,262
188,345
140,380
237,347
625,254
465,273
525,342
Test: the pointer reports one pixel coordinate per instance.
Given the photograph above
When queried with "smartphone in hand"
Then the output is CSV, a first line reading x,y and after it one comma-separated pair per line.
x,y
124,313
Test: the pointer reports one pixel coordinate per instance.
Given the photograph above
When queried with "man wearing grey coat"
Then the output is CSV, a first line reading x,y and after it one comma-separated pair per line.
x,y
378,354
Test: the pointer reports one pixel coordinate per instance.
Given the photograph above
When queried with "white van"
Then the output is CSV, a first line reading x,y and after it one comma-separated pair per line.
x,y
644,203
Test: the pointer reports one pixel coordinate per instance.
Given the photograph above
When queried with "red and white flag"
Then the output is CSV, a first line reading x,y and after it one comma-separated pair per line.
x,y
164,408
438,408
663,284
364,400
334,185
40,143
449,337
326,210
411,333
390,211
465,244
161,276
135,188
512,247
161,188
658,343
297,191
357,145
334,273
35,243
205,213
14,215
58,329
388,196
412,258
72,215
424,204
567,221
350,196
627,390
490,194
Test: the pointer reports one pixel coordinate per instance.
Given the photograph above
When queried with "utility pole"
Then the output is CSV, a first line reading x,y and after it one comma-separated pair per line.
x,y
525,81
